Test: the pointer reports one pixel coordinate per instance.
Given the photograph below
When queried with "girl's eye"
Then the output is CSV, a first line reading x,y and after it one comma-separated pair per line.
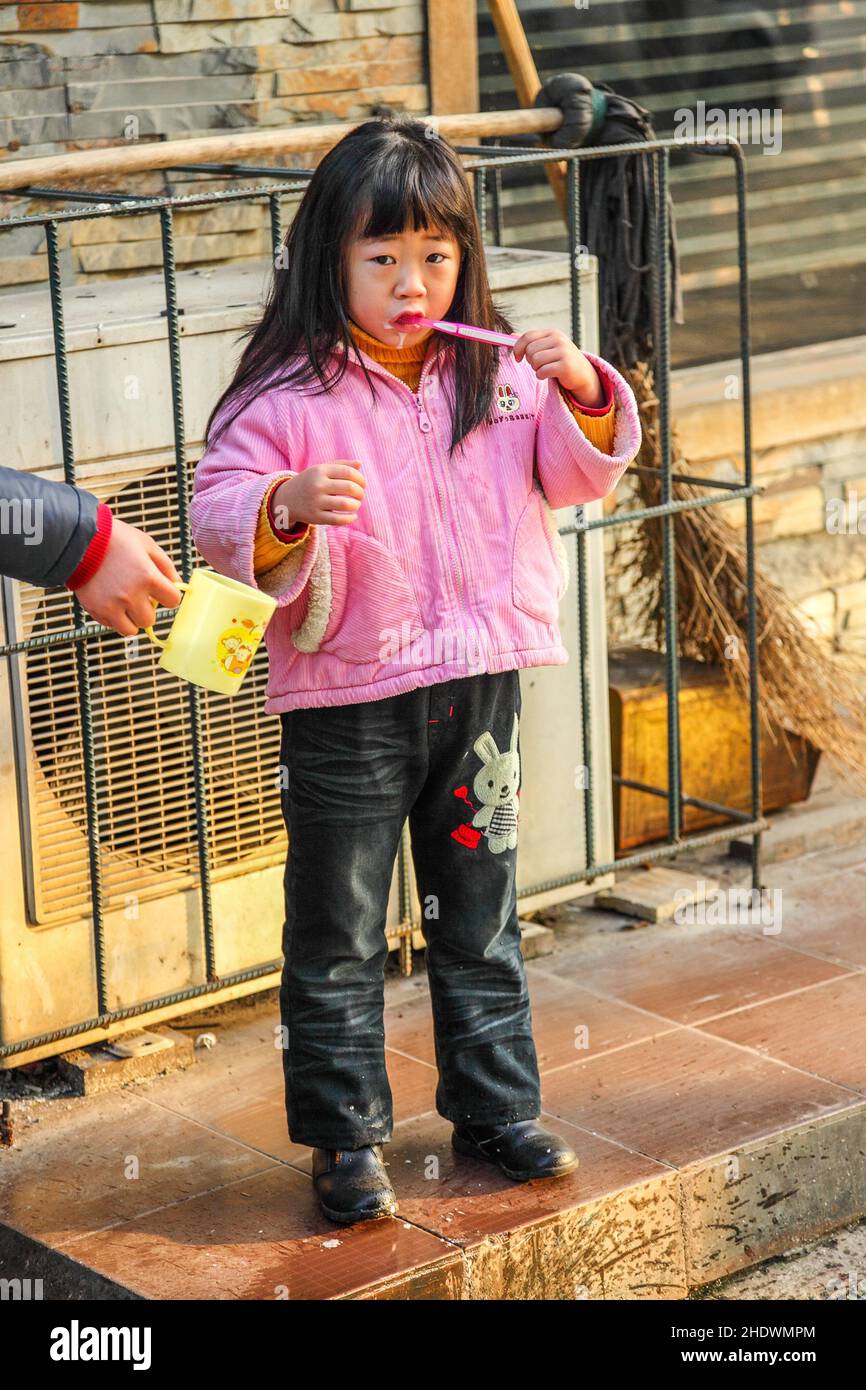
x,y
386,257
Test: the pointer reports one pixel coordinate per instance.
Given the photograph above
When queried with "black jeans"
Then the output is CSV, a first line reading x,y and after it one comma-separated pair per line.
x,y
446,756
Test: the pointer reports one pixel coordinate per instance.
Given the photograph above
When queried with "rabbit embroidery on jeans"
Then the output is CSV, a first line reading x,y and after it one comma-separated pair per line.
x,y
495,786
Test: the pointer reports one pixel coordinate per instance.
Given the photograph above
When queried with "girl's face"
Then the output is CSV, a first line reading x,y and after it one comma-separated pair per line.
x,y
392,275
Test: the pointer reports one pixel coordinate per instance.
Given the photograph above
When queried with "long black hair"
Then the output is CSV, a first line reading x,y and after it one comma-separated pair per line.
x,y
383,174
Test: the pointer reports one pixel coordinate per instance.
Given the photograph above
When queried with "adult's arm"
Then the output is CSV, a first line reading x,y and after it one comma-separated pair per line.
x,y
45,527
54,533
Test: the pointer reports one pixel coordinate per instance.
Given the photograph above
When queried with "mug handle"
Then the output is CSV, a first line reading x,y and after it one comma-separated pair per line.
x,y
181,584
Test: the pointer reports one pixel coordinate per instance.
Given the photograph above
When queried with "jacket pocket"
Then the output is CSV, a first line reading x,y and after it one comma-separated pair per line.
x,y
539,568
374,611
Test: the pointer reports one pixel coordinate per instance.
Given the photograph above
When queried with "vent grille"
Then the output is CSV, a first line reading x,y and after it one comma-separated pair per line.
x,y
142,748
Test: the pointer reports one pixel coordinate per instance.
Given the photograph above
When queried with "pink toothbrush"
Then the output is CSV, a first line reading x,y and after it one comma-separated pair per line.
x,y
458,330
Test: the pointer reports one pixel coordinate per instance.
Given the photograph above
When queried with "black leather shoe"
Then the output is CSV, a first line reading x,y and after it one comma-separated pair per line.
x,y
352,1184
523,1149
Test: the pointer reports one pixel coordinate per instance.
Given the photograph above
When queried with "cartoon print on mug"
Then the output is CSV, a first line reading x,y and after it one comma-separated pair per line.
x,y
236,645
496,785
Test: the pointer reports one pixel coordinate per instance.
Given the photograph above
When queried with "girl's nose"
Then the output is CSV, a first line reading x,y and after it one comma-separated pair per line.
x,y
412,284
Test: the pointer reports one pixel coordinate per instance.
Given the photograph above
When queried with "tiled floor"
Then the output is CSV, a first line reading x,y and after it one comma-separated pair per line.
x,y
712,1079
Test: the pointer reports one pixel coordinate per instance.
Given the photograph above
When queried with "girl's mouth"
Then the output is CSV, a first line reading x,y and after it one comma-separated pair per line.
x,y
407,320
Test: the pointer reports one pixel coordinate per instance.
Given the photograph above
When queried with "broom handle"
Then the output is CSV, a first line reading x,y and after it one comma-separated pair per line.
x,y
238,146
527,84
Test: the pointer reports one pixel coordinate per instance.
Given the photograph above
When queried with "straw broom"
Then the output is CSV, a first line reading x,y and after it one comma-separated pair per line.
x,y
802,687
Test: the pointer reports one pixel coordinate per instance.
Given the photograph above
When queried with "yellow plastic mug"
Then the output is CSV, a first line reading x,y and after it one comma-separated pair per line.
x,y
216,631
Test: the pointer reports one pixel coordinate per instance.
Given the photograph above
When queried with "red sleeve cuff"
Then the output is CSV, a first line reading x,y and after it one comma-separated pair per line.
x,y
607,385
295,530
95,552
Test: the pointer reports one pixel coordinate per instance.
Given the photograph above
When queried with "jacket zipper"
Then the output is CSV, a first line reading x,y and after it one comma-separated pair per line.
x,y
452,553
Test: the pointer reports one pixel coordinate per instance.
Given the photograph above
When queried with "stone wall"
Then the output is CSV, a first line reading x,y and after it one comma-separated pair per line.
x,y
85,76
809,455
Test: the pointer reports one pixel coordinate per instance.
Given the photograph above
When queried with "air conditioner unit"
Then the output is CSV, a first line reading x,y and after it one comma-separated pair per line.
x,y
148,849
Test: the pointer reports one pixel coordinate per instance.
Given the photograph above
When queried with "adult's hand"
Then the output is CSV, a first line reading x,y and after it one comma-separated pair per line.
x,y
134,568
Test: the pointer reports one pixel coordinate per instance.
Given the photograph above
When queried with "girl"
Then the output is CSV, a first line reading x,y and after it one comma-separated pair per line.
x,y
392,488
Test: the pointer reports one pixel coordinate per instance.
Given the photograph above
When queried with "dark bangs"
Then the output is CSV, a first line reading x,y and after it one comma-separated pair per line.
x,y
403,192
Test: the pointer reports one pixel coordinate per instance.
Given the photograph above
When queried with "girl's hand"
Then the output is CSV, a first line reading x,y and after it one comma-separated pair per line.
x,y
551,353
325,494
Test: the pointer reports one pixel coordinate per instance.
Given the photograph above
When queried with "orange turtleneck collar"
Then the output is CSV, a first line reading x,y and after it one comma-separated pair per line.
x,y
404,362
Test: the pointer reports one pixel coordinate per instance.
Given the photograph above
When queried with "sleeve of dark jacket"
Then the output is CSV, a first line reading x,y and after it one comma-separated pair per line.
x,y
45,527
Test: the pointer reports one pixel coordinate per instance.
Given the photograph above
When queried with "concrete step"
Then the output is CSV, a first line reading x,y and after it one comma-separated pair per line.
x,y
796,831
655,893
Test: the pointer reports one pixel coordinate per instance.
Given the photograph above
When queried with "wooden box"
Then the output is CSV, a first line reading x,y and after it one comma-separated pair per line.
x,y
714,748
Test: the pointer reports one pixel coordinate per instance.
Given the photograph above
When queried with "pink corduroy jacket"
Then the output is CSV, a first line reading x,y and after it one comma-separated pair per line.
x,y
452,566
